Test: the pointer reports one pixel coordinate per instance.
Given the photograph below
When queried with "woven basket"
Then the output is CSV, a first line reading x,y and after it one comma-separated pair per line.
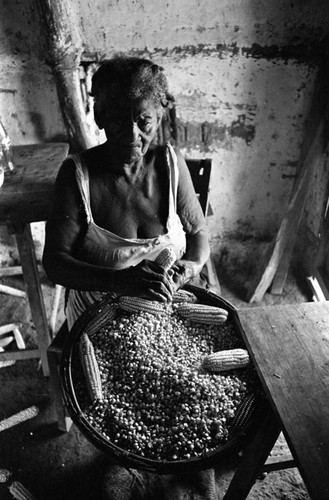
x,y
247,417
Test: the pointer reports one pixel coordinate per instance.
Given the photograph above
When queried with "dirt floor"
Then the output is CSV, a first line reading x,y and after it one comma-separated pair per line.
x,y
58,466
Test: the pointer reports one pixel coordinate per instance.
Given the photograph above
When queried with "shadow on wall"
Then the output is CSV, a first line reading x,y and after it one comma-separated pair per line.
x,y
237,263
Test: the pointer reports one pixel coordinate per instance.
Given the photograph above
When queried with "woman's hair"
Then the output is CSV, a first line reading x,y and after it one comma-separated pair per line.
x,y
132,78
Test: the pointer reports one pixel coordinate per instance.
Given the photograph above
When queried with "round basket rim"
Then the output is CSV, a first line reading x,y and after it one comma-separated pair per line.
x,y
121,456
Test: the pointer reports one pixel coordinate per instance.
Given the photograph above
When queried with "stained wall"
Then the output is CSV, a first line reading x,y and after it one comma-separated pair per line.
x,y
243,74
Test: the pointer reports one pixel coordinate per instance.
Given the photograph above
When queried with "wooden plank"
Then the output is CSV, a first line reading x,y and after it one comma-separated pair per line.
x,y
281,273
290,222
25,354
279,463
289,346
33,290
317,285
9,290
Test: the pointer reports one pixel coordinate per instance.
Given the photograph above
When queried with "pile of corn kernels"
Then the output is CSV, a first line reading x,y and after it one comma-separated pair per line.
x,y
159,403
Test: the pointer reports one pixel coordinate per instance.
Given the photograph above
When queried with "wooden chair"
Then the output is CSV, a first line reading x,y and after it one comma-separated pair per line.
x,y
200,173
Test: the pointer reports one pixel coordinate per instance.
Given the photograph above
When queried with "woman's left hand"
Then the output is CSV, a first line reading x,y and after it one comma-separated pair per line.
x,y
183,271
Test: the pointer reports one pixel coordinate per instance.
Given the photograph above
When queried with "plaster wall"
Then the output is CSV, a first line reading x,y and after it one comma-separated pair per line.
x,y
243,75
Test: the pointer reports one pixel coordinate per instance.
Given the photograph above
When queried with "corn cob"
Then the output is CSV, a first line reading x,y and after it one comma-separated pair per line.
x,y
105,314
19,492
137,304
201,313
90,368
19,417
166,258
183,296
6,341
4,475
226,360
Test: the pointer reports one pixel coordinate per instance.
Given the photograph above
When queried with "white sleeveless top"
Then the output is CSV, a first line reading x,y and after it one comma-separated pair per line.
x,y
102,247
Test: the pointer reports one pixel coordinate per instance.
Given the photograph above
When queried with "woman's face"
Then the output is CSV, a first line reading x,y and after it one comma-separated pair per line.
x,y
130,128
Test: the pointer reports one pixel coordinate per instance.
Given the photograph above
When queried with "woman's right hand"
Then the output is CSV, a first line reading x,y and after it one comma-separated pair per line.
x,y
148,280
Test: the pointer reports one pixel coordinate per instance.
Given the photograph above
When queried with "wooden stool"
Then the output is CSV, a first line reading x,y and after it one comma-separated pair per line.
x,y
26,197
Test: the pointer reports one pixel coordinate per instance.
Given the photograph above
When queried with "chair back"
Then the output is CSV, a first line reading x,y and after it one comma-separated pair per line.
x,y
200,173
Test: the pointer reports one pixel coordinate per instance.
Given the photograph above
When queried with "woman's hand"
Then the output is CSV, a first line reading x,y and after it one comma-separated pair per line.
x,y
147,280
183,271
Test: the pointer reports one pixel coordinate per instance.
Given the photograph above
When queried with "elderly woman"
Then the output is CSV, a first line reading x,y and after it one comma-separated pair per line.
x,y
119,204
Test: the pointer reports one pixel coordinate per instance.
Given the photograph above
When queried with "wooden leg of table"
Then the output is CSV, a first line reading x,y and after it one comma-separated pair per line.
x,y
33,289
64,422
253,459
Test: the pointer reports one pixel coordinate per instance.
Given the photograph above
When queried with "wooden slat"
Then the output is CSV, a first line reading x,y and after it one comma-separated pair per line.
x,y
279,463
9,290
290,349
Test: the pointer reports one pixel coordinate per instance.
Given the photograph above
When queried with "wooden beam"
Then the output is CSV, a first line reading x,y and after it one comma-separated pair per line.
x,y
279,463
24,354
291,220
64,49
9,290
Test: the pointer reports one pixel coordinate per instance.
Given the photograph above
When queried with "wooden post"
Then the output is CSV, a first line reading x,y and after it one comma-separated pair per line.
x,y
63,54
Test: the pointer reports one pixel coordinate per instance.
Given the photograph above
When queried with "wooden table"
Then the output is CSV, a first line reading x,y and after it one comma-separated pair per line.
x,y
26,197
289,346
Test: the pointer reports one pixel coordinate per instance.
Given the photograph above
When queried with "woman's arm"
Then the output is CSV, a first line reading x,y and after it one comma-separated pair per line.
x,y
194,223
65,230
